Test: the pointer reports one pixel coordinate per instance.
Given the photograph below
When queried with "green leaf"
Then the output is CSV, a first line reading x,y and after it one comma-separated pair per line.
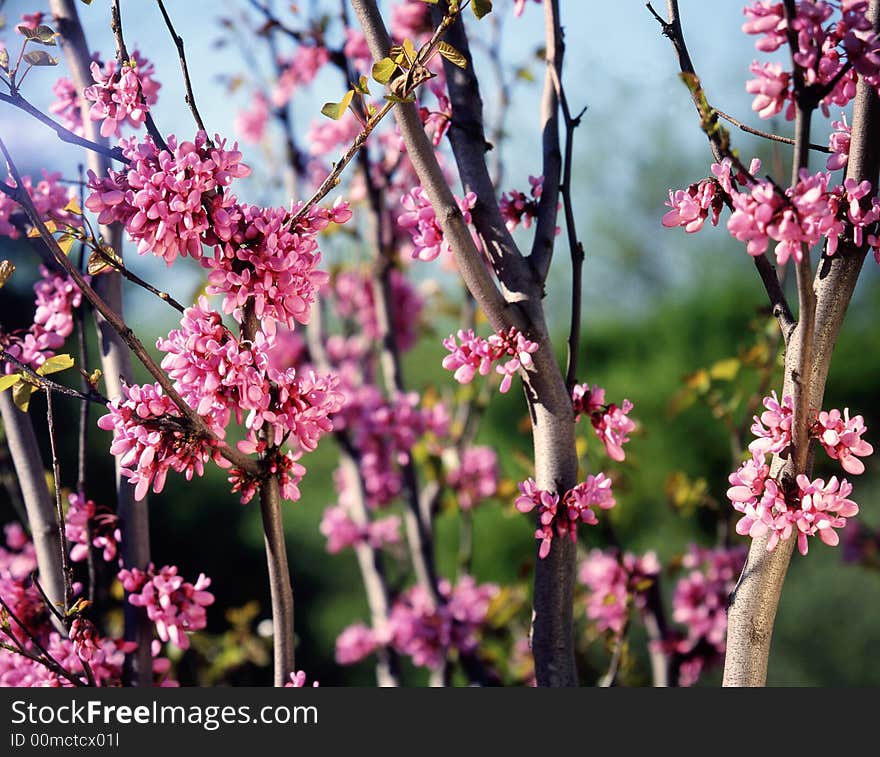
x,y
40,58
383,70
481,7
44,35
396,99
98,263
6,270
725,370
55,364
4,59
21,395
11,380
431,2
409,50
362,85
337,110
452,55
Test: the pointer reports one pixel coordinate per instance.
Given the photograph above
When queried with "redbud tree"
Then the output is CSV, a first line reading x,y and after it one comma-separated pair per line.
x,y
400,181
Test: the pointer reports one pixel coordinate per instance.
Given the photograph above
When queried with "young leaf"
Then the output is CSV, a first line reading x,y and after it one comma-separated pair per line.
x,y
55,364
50,227
6,270
409,50
383,70
43,34
452,55
395,99
4,59
11,380
99,263
337,110
481,7
73,207
21,395
40,58
65,242
362,85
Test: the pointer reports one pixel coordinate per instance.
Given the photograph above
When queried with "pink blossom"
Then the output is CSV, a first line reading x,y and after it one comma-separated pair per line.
x,y
841,436
325,135
83,635
419,218
250,124
342,532
838,143
298,680
50,200
577,504
161,198
520,5
355,643
175,606
615,584
355,298
824,507
122,96
56,296
298,70
611,423
67,106
773,427
475,478
771,89
517,208
475,355
87,525
410,19
283,466
147,441
260,258
699,602
427,632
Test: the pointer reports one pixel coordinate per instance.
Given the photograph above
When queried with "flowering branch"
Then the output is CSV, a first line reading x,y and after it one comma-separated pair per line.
x,y
766,134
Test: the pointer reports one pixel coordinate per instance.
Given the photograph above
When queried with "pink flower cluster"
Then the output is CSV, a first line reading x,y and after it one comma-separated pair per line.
x,y
421,222
342,532
250,124
699,602
838,143
517,208
801,216
473,354
87,525
816,508
616,583
284,466
385,431
122,95
355,298
56,297
50,199
561,518
169,199
260,258
422,630
67,106
841,436
611,423
829,54
149,442
475,478
219,376
299,69
175,606
105,656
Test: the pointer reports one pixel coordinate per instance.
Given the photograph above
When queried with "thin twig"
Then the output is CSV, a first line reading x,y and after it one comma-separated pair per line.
x,y
181,54
118,265
766,134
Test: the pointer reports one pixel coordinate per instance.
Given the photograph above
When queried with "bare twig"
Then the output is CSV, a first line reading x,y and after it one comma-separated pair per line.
x,y
766,134
65,135
181,54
